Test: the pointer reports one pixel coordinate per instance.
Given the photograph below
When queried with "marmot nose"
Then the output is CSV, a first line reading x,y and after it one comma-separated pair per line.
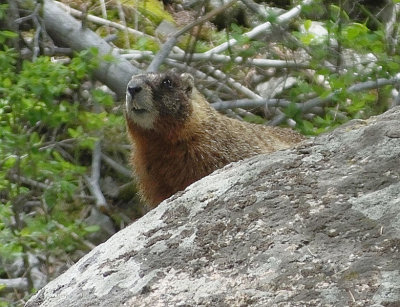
x,y
134,90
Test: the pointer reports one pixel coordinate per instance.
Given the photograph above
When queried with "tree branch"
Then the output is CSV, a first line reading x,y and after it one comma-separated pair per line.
x,y
102,21
284,18
219,58
318,101
15,284
116,166
170,43
249,103
27,181
93,181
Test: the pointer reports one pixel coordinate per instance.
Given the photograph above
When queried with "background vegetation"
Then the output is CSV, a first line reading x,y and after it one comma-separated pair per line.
x,y
65,183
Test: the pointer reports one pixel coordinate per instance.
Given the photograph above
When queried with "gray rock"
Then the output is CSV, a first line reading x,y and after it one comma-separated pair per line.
x,y
316,225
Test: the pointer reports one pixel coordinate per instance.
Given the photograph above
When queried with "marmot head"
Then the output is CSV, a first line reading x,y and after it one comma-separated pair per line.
x,y
154,98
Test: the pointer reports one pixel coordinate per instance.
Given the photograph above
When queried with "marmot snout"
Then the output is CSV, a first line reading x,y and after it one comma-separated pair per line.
x,y
178,137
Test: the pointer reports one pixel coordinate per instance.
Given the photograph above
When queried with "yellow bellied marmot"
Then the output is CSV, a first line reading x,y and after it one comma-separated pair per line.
x,y
179,138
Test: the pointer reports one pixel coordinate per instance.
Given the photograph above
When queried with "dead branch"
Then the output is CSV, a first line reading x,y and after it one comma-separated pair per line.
x,y
102,21
116,166
284,18
74,235
12,284
171,42
249,103
93,180
318,101
219,58
29,182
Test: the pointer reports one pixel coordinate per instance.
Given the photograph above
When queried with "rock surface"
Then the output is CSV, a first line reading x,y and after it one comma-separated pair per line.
x,y
317,225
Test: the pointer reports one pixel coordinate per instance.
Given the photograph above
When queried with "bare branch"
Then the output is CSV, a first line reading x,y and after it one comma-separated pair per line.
x,y
284,18
116,166
250,103
29,182
236,85
123,20
93,181
256,8
74,235
102,21
170,43
219,58
318,101
15,284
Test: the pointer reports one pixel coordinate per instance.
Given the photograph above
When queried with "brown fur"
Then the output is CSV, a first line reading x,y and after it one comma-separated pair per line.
x,y
187,139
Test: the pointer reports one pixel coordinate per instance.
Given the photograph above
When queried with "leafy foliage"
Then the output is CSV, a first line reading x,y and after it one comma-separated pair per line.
x,y
47,131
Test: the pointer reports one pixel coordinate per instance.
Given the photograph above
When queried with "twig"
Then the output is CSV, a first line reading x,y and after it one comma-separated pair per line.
x,y
116,166
93,181
318,101
74,235
236,85
30,16
170,43
351,296
266,63
123,20
197,73
15,283
219,58
249,103
52,144
284,18
256,8
30,182
35,47
13,13
102,21
103,9
34,17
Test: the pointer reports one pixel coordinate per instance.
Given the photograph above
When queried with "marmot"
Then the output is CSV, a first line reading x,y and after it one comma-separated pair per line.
x,y
178,137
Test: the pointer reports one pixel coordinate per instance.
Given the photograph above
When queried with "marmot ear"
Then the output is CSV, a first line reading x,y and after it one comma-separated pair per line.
x,y
188,82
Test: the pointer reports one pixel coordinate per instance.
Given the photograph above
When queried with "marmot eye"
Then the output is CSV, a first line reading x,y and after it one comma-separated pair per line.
x,y
167,83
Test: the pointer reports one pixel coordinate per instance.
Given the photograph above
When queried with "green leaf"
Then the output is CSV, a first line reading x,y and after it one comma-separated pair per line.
x,y
354,30
76,133
8,34
102,97
307,24
92,228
